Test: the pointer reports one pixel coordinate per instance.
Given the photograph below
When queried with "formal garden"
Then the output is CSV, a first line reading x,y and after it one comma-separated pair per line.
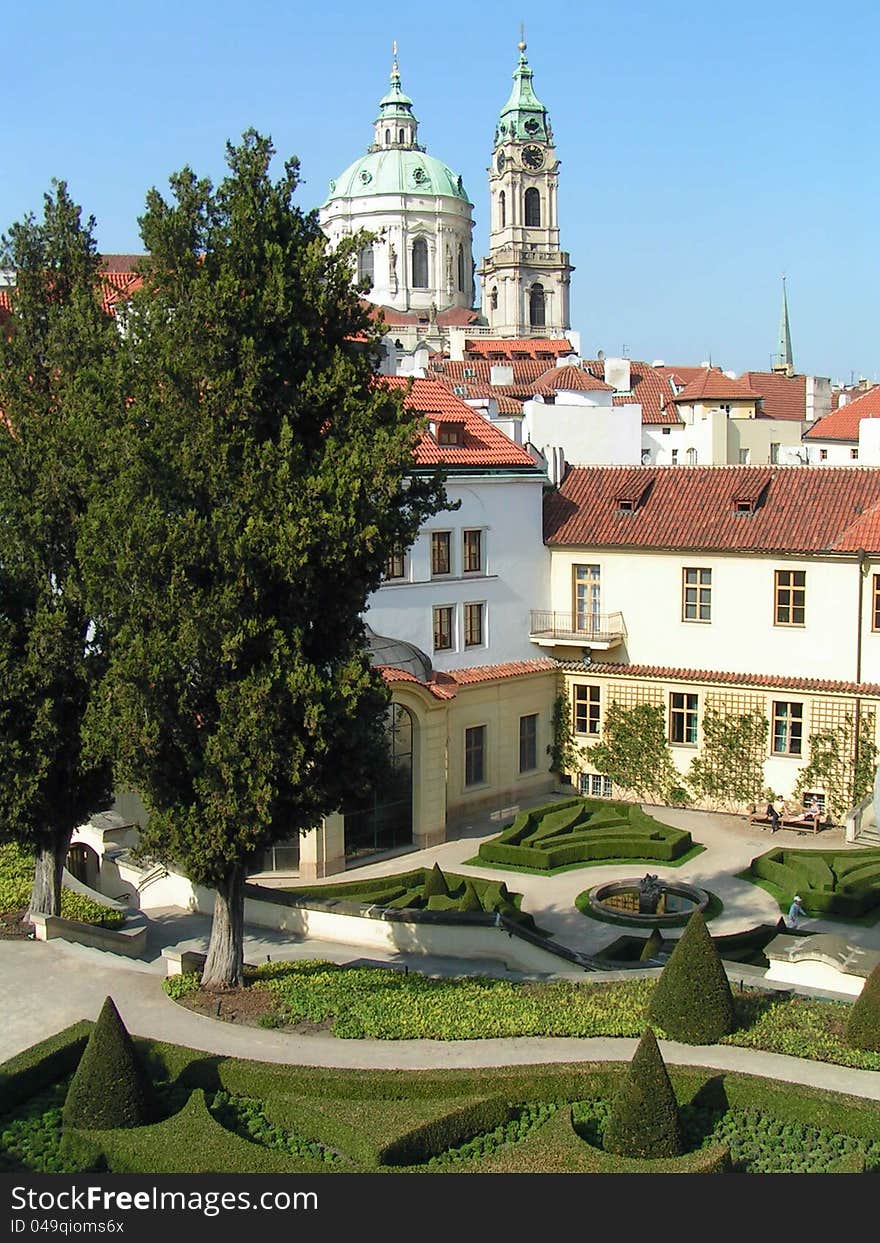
x,y
580,831
832,884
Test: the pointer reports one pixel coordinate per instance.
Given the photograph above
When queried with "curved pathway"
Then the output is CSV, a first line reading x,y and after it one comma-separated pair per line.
x,y
54,988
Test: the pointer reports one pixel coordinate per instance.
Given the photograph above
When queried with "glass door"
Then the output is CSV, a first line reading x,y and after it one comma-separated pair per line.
x,y
587,598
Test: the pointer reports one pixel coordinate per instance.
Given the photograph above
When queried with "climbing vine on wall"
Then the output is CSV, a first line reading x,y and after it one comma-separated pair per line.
x,y
845,772
564,755
634,753
730,769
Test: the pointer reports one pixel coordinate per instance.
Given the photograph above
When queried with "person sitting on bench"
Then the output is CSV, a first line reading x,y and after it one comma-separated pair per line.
x,y
773,817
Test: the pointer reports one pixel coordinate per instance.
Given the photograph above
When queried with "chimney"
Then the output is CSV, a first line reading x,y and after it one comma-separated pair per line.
x,y
617,374
500,373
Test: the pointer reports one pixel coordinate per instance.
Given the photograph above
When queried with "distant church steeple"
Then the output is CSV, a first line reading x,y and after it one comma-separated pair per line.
x,y
782,360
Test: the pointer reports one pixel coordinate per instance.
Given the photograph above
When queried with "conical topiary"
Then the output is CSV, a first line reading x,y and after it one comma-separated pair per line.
x,y
652,946
470,899
110,1087
644,1114
863,1024
435,884
692,1000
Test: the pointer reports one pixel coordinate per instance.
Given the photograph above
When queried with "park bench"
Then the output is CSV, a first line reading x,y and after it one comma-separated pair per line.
x,y
803,822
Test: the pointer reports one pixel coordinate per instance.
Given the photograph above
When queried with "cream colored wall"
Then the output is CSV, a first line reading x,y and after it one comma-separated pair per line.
x,y
646,586
499,706
756,435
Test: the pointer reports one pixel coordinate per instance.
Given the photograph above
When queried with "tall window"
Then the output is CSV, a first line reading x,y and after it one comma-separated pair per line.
x,y
528,743
440,552
536,306
692,457
791,598
586,710
494,298
420,263
395,565
365,265
875,613
696,595
502,208
587,606
460,268
533,208
788,728
473,625
473,552
683,719
443,622
774,453
475,755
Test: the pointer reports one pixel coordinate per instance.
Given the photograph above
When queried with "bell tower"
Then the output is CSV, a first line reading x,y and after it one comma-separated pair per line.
x,y
526,277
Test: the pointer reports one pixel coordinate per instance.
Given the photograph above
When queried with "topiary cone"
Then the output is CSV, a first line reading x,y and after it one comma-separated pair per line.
x,y
863,1024
435,884
470,899
692,1000
110,1087
652,946
644,1114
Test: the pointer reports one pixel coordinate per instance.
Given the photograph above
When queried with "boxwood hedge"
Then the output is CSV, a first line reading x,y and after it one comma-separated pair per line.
x,y
829,882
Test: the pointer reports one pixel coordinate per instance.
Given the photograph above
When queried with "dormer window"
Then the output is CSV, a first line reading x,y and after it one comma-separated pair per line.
x,y
626,506
450,434
743,507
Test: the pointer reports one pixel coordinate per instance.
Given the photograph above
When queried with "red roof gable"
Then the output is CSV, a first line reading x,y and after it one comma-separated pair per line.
x,y
782,396
484,445
649,387
523,347
797,508
843,423
445,685
569,379
713,385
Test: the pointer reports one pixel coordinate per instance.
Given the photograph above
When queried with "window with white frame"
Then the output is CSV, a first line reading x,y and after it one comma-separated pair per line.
x,y
596,785
788,728
472,552
683,719
441,553
696,591
586,709
395,564
474,625
444,628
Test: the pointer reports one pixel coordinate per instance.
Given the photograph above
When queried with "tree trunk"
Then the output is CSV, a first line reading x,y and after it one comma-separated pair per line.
x,y
48,867
223,968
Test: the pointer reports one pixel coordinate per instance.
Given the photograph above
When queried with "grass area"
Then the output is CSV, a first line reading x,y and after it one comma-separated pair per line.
x,y
16,879
783,900
713,909
226,1115
581,830
629,861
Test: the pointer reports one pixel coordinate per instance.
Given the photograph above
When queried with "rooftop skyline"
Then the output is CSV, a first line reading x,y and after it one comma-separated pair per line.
x,y
703,152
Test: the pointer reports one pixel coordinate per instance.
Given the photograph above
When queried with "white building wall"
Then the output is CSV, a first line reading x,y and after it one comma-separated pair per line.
x,y
741,636
508,509
587,427
835,453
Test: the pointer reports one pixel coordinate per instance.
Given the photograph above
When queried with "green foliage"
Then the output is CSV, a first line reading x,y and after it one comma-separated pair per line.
x,y
582,831
840,764
177,986
435,883
635,754
110,1087
692,1001
246,1116
470,900
643,1121
564,754
652,946
863,1023
831,882
42,1065
730,767
263,477
59,393
16,879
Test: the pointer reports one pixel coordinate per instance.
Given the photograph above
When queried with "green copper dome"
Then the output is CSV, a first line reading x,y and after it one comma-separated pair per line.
x,y
523,117
397,171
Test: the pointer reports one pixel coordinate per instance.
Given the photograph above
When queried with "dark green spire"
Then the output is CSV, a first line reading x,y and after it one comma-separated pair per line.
x,y
782,360
523,117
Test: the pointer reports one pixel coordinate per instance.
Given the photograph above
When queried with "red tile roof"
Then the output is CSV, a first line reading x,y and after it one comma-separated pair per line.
x,y
522,347
783,397
843,423
770,680
118,283
445,685
484,445
682,375
452,317
569,379
798,508
711,385
852,391
649,387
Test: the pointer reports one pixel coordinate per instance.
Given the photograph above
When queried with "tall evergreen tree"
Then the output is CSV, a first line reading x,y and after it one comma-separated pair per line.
x,y
58,394
264,478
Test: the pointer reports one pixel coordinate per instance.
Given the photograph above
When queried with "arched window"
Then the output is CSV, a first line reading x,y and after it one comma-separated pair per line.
x,y
533,208
494,297
692,457
388,138
536,305
420,263
365,265
460,268
502,208
400,136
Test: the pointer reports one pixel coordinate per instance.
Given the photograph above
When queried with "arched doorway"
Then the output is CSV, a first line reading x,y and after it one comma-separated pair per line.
x,y
83,864
384,820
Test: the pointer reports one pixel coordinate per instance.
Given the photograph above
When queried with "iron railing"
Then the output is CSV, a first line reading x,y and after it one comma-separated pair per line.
x,y
585,628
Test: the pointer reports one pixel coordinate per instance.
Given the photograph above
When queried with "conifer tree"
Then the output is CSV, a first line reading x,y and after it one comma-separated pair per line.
x,y
692,1000
644,1118
110,1087
58,395
264,477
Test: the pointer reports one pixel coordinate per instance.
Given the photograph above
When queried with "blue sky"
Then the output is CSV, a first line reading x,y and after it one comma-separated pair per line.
x,y
705,148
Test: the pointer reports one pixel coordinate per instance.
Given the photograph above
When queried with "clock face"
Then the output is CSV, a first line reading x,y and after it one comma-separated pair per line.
x,y
532,157
500,162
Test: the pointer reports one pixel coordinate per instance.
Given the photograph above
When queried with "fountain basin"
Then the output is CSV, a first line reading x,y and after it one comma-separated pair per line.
x,y
620,901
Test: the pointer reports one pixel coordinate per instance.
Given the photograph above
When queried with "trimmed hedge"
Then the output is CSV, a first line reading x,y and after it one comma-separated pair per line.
x,y
582,831
863,1022
829,882
644,1113
692,1001
652,946
43,1064
110,1087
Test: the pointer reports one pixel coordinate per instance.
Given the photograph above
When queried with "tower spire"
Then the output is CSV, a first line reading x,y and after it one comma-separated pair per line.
x,y
782,360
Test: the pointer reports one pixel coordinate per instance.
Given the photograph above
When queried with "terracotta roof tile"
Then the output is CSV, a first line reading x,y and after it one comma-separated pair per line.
x,y
484,445
649,387
454,316
682,376
843,423
570,379
445,685
712,385
782,396
769,680
530,347
798,508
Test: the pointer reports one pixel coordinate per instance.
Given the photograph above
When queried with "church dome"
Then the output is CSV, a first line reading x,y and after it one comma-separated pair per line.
x,y
397,170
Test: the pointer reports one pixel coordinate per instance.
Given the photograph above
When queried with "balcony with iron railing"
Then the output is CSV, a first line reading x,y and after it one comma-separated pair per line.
x,y
602,631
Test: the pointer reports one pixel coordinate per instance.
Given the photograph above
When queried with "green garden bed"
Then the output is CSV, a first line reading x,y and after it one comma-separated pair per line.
x,y
226,1115
16,879
580,831
831,883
